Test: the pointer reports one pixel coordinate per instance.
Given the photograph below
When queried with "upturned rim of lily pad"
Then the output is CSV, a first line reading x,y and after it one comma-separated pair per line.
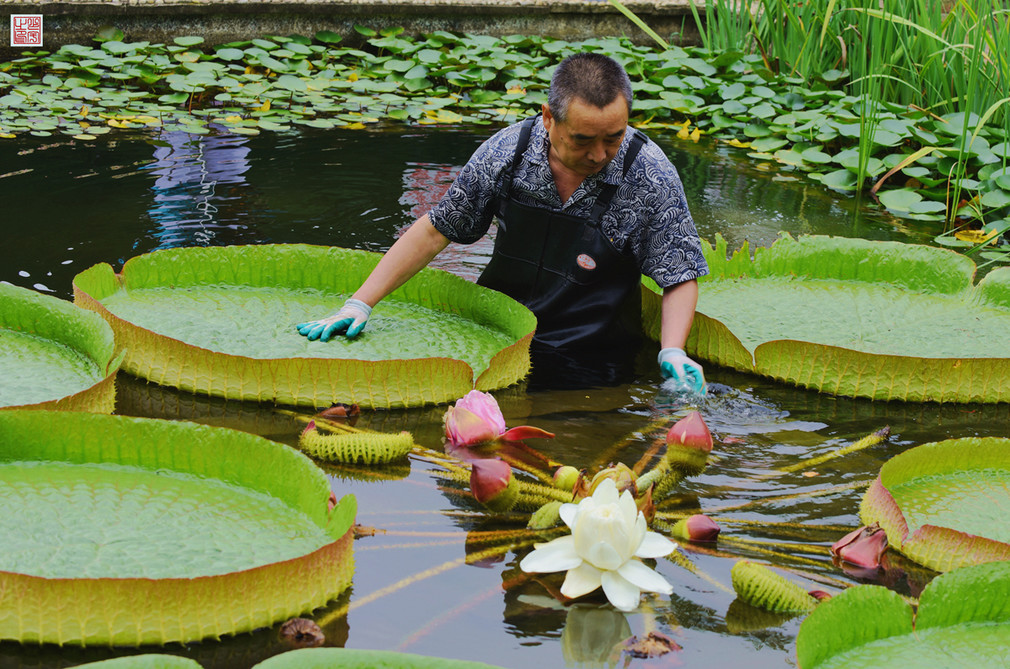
x,y
50,318
932,544
921,272
388,383
133,610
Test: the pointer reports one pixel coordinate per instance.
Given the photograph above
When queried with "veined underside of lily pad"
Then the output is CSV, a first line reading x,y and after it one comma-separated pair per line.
x,y
853,317
54,355
130,531
221,321
963,620
945,504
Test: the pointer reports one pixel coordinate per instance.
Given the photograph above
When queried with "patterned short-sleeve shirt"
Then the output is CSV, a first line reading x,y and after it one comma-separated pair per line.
x,y
648,215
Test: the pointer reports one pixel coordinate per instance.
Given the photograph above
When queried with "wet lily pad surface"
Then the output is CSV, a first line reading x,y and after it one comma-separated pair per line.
x,y
36,369
974,502
873,318
259,322
110,521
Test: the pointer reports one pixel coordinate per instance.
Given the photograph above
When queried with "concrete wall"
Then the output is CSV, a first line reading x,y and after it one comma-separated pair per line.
x,y
221,21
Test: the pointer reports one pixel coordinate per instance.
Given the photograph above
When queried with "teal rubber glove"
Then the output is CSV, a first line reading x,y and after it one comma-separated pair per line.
x,y
350,320
674,364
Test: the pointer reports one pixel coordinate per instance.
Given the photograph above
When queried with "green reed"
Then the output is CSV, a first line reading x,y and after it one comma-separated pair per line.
x,y
906,56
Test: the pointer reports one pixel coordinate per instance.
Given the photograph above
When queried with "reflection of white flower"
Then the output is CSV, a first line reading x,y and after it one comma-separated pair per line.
x,y
608,535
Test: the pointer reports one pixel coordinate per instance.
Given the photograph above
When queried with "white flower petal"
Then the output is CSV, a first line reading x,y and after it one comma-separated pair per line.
x,y
644,578
621,593
654,545
557,555
606,492
568,513
603,556
629,511
581,581
636,534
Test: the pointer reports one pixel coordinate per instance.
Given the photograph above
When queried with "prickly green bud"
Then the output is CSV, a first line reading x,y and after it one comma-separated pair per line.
x,y
759,586
365,447
546,516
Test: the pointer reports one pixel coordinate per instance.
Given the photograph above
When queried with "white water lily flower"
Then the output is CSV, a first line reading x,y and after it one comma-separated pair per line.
x,y
609,535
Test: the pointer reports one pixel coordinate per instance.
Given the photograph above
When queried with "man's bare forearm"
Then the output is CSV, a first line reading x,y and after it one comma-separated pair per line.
x,y
679,303
405,258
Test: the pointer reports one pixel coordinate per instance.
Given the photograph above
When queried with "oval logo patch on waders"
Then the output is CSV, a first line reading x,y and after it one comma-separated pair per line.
x,y
585,261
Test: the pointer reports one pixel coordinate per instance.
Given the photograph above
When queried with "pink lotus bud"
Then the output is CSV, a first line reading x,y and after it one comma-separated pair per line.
x,y
493,485
698,528
565,477
688,444
863,547
474,419
690,431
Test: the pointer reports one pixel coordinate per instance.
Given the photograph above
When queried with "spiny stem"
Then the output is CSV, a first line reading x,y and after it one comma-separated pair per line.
x,y
867,441
786,557
798,548
333,425
679,558
782,498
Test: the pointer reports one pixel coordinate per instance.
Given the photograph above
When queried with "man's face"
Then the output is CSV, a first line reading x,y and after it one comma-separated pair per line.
x,y
589,138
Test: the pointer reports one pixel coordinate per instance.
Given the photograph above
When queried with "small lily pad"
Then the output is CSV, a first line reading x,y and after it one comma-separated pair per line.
x,y
53,354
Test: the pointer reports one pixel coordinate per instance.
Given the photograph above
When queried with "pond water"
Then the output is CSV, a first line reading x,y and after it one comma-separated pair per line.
x,y
425,580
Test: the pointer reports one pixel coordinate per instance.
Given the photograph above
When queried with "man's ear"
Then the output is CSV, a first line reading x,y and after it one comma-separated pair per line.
x,y
548,119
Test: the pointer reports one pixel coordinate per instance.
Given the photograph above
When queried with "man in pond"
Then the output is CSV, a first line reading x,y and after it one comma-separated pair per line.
x,y
585,206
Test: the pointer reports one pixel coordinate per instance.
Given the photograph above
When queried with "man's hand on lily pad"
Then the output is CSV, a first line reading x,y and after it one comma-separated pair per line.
x,y
349,321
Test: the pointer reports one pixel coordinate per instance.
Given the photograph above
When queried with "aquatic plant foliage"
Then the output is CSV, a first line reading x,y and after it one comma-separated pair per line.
x,y
962,620
54,355
279,84
944,504
150,528
854,317
221,321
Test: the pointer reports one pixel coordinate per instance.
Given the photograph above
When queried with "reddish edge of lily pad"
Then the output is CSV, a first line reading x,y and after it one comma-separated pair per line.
x,y
937,547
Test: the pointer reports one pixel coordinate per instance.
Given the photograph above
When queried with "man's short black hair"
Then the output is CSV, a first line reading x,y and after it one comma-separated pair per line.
x,y
593,77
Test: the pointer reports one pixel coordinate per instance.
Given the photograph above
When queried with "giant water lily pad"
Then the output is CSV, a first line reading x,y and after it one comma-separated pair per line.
x,y
963,620
945,505
129,531
54,355
858,318
221,321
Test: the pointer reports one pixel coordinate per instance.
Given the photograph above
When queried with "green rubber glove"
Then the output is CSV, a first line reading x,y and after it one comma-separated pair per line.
x,y
350,320
674,363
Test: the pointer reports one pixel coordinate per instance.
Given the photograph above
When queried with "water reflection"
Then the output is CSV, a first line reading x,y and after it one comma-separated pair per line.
x,y
424,184
199,187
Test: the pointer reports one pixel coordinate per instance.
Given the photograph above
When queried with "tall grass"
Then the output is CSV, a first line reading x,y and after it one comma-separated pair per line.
x,y
940,61
948,59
